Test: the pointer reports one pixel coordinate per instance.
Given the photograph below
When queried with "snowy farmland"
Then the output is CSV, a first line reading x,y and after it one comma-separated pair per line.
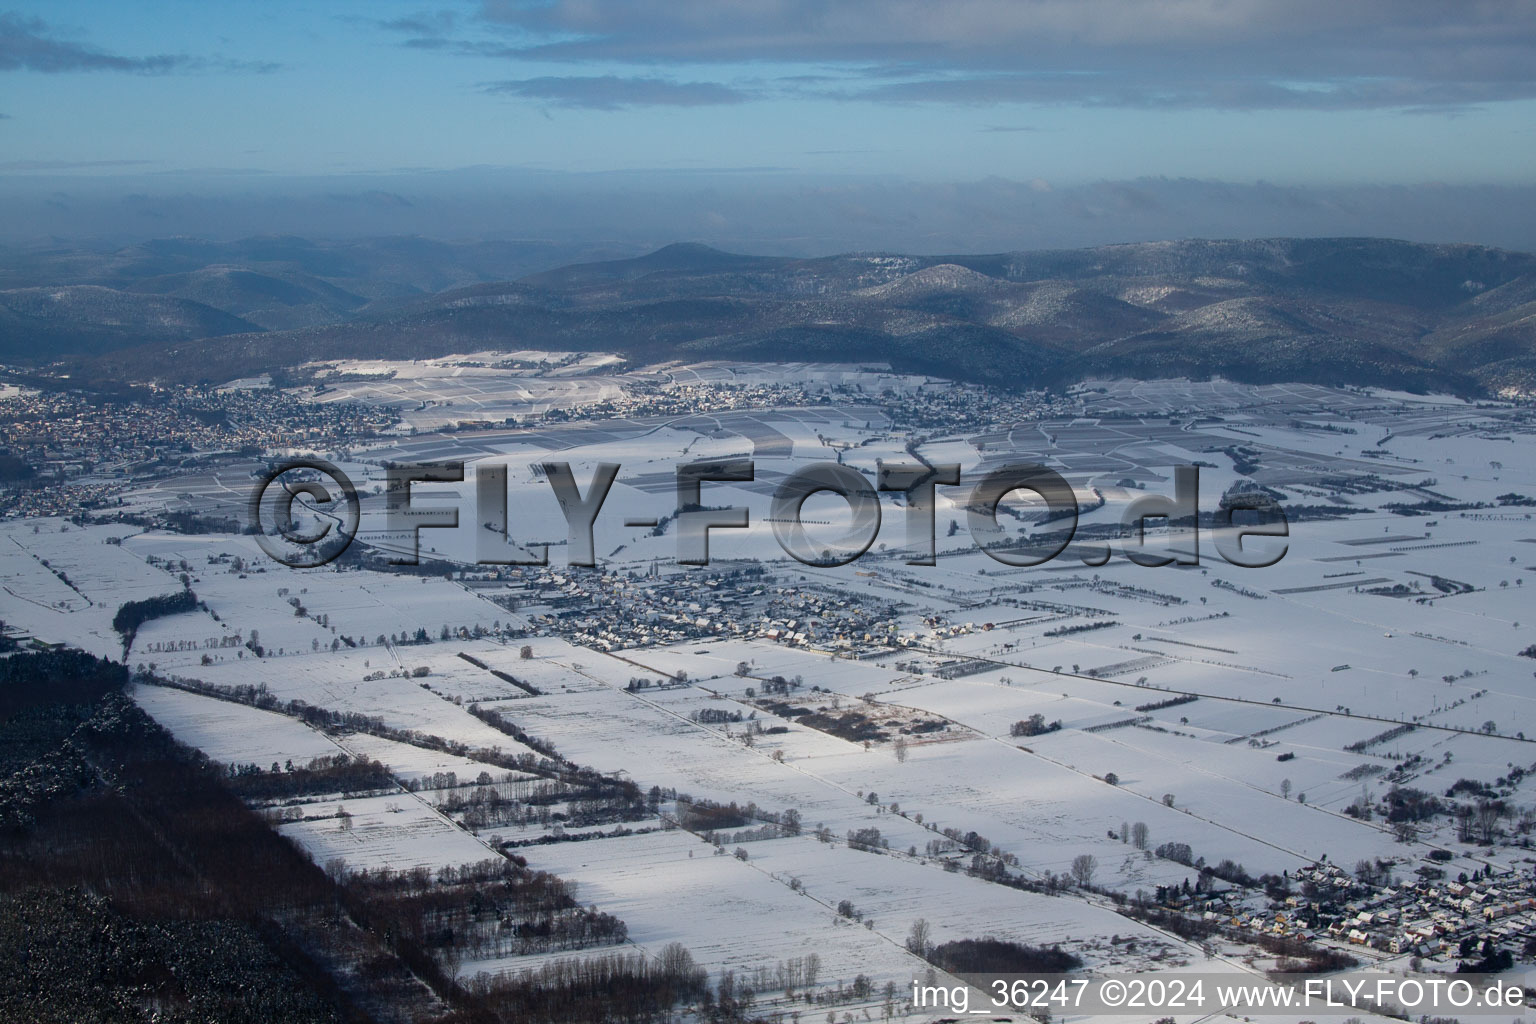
x,y
1000,751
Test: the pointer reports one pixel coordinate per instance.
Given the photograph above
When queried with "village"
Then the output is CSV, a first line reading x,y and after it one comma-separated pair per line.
x,y
1138,765
1425,920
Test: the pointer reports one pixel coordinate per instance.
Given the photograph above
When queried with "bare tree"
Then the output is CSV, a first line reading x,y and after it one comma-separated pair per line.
x,y
1139,835
676,961
1487,817
451,956
1083,867
1285,788
918,939
901,749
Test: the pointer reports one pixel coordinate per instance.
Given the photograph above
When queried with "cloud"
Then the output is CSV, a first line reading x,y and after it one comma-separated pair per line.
x,y
425,23
67,165
1149,91
27,44
250,67
611,92
1153,92
1239,54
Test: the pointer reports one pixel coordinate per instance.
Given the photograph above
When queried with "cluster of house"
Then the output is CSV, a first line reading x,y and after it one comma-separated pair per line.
x,y
683,399
1428,918
79,451
616,611
69,433
945,406
57,499
907,401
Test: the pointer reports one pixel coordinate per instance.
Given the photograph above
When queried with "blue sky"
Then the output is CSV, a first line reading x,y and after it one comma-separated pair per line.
x,y
294,88
1056,93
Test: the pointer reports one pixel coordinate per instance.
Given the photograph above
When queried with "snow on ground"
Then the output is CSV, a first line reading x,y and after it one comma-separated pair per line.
x,y
338,681
397,832
64,583
737,914
411,763
233,733
1299,660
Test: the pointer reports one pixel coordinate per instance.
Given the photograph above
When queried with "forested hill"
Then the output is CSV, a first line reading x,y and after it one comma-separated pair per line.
x,y
1363,311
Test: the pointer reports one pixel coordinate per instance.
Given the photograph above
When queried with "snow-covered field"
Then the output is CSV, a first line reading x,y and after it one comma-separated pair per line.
x,y
1296,681
397,832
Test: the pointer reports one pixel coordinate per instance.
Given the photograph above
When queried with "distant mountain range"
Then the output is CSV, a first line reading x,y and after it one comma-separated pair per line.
x,y
1362,311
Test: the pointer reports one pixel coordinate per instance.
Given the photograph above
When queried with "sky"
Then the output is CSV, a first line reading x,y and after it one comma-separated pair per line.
x,y
1404,117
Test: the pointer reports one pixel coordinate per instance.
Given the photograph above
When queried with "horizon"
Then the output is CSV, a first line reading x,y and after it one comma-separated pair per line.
x,y
788,129
767,511
788,219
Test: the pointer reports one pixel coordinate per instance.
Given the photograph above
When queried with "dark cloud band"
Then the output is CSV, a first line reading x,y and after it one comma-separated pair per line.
x,y
1219,54
611,92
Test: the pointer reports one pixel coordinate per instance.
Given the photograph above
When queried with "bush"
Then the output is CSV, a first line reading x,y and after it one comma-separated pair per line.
x,y
133,614
996,956
1034,725
1179,853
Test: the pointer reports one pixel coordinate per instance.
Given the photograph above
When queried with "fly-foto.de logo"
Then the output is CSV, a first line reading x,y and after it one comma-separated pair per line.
x,y
335,514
